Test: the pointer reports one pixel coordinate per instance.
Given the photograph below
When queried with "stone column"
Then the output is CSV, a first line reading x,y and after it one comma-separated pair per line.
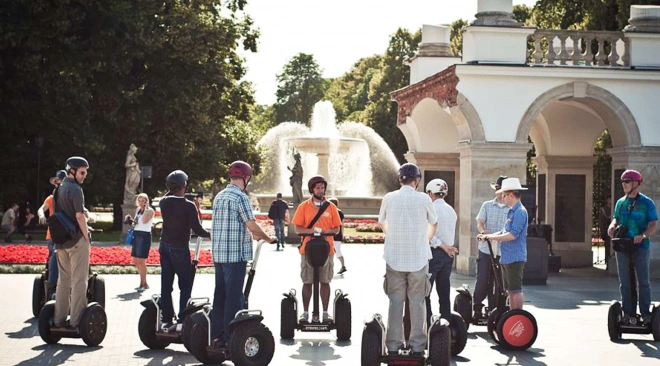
x,y
646,160
481,163
441,162
643,35
565,174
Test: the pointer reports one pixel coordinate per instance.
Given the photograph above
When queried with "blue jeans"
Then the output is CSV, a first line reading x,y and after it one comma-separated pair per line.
x,y
53,271
440,270
227,298
174,259
642,259
279,232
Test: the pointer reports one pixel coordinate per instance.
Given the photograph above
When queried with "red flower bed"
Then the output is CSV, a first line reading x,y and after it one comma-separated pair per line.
x,y
117,255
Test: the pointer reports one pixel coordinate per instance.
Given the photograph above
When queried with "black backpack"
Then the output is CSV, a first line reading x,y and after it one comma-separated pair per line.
x,y
272,211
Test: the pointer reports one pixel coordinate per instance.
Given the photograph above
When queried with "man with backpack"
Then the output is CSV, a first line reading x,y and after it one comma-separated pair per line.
x,y
279,213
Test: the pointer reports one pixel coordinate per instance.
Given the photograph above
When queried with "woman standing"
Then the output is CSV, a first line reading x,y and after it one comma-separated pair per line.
x,y
142,222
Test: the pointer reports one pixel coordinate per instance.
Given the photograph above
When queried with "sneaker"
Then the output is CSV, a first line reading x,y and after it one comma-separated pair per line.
x,y
646,319
140,289
304,318
342,270
169,327
327,318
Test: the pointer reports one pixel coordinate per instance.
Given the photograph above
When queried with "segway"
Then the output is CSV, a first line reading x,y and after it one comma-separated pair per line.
x,y
42,291
317,251
251,342
615,324
457,330
463,302
150,325
512,329
374,350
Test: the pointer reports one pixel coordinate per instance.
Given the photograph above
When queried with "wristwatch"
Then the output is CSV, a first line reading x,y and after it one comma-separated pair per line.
x,y
644,236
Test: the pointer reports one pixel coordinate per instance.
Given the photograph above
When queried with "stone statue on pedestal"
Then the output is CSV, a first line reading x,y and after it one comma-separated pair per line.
x,y
132,175
296,179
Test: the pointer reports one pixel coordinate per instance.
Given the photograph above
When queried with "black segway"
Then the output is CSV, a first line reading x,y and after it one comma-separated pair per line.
x,y
463,302
615,324
251,342
317,251
374,350
42,291
150,326
512,329
457,330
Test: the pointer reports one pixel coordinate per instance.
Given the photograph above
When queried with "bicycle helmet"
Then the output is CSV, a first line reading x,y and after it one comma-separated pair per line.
x,y
313,181
409,170
76,162
632,174
240,169
437,186
176,180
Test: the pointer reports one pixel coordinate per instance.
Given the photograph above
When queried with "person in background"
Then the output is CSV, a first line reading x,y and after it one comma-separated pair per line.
x,y
9,221
142,224
279,213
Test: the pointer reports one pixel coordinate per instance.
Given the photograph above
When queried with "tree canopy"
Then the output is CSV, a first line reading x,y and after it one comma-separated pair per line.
x,y
93,76
300,86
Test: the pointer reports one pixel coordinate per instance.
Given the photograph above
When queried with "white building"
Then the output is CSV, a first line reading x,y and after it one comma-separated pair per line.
x,y
468,119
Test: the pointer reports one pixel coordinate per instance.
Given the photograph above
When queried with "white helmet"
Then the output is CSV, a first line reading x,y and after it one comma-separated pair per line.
x,y
437,186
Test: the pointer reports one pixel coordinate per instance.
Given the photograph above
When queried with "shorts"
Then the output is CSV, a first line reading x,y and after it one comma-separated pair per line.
x,y
7,228
512,276
325,273
338,249
141,244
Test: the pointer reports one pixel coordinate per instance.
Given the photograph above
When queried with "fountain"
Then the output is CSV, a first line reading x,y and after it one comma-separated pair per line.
x,y
355,160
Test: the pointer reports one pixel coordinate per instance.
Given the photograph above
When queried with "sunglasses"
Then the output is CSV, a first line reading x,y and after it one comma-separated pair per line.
x,y
626,181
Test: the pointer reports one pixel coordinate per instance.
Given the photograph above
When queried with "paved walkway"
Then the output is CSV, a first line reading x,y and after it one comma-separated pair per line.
x,y
571,312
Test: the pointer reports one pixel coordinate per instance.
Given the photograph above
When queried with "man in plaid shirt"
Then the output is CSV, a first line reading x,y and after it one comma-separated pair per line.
x,y
231,238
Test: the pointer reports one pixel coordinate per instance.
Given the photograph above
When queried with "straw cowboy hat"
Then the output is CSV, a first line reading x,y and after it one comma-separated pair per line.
x,y
498,182
511,184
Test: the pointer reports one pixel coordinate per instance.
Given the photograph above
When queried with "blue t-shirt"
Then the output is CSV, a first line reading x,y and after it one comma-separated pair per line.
x,y
516,224
636,215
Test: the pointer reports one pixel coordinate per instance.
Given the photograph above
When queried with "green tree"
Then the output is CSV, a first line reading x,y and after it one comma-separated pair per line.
x,y
350,93
300,86
94,76
381,113
456,36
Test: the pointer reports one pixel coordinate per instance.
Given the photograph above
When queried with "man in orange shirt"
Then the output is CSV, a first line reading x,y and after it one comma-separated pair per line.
x,y
329,223
48,206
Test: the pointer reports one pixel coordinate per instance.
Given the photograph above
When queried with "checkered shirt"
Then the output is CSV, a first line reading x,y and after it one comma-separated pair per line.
x,y
231,241
407,214
495,217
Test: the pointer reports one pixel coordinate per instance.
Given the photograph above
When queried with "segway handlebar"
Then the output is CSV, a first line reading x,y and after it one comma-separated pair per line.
x,y
198,246
317,234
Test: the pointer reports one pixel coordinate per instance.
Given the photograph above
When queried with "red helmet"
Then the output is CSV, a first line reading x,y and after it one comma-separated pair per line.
x,y
632,174
314,181
240,169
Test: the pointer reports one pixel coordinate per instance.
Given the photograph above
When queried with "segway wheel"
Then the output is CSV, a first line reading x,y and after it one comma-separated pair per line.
x,y
343,318
198,343
371,346
613,321
288,318
440,347
655,323
147,329
93,325
38,295
46,321
491,325
458,331
188,324
252,344
99,291
517,329
463,306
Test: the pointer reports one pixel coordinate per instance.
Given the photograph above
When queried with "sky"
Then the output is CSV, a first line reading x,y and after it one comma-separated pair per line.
x,y
338,32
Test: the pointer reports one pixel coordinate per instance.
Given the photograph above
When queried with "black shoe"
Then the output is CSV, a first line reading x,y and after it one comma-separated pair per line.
x,y
342,270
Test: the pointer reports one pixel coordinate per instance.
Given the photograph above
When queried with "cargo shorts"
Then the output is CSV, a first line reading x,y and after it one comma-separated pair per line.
x,y
325,273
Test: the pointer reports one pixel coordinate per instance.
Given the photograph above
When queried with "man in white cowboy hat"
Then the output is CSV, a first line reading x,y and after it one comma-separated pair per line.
x,y
490,219
513,241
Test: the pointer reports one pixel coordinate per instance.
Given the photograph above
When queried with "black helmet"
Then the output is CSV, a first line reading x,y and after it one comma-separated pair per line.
x,y
176,180
313,181
61,174
76,162
240,169
409,170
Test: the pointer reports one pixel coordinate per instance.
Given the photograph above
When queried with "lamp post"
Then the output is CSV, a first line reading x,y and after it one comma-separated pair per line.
x,y
39,142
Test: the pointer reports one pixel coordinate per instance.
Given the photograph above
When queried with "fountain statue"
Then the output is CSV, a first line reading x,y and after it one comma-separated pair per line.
x,y
296,179
354,159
